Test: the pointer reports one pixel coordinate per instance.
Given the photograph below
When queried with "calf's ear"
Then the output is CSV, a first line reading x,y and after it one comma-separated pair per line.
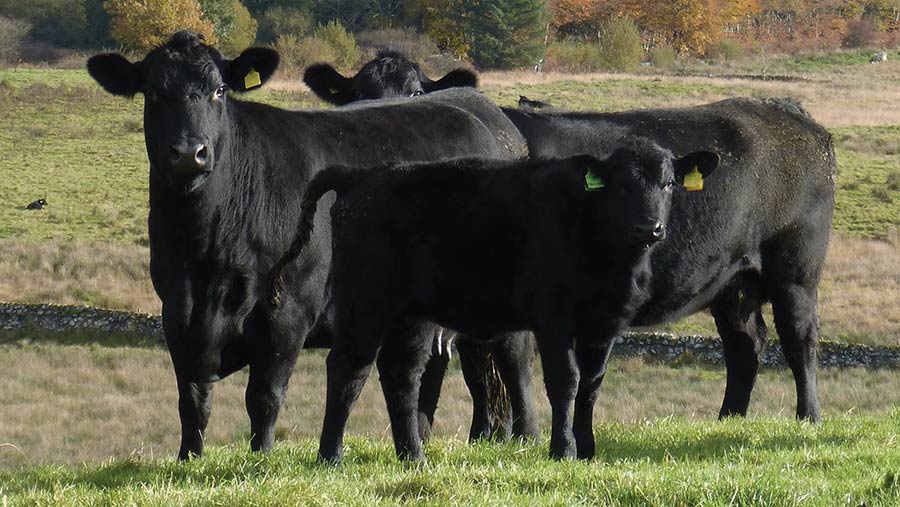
x,y
590,170
116,74
329,85
252,68
458,78
688,167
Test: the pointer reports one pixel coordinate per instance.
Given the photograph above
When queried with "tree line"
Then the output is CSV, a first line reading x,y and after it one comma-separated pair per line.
x,y
490,33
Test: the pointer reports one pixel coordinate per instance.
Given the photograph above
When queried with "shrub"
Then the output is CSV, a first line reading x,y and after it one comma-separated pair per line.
x,y
620,45
341,41
663,57
298,53
416,46
145,24
861,34
278,21
239,32
12,34
727,51
573,57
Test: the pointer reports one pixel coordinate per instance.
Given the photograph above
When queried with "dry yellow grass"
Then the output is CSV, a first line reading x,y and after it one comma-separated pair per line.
x,y
859,298
72,404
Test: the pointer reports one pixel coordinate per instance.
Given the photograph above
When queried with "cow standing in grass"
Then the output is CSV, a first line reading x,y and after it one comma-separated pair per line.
x,y
226,178
758,234
559,247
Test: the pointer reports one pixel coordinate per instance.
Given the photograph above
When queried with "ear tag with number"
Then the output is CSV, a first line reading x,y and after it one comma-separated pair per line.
x,y
693,180
251,80
592,181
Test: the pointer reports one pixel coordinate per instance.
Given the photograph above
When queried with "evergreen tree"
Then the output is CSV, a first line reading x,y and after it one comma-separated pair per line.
x,y
506,33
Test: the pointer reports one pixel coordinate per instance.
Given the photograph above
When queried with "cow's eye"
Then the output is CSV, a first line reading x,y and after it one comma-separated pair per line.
x,y
670,184
220,92
417,93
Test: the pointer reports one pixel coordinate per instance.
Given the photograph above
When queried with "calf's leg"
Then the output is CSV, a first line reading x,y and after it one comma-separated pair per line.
x,y
514,355
400,364
430,389
592,359
560,379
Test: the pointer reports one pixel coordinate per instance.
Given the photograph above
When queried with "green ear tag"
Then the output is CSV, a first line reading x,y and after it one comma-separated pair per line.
x,y
251,80
693,180
333,91
592,181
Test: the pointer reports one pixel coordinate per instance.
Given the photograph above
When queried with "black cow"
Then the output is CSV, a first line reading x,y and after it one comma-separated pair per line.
x,y
390,74
526,103
226,178
558,247
759,235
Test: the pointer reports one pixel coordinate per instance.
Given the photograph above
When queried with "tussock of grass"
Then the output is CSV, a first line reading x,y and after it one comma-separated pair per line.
x,y
845,461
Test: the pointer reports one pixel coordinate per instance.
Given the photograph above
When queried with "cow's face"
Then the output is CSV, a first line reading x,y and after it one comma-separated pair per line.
x,y
389,75
185,84
631,190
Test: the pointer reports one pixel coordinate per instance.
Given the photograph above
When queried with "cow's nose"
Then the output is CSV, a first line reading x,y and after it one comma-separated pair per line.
x,y
651,231
189,157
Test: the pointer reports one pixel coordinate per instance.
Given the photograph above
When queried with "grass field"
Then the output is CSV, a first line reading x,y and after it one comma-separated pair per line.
x,y
109,401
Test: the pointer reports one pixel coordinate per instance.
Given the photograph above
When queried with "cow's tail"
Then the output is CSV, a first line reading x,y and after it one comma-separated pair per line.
x,y
337,178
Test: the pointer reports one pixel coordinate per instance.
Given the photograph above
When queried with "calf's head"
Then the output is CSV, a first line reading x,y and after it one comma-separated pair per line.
x,y
630,192
185,84
390,74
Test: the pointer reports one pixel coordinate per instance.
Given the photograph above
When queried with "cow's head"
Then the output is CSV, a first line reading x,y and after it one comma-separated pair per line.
x,y
390,74
631,190
185,84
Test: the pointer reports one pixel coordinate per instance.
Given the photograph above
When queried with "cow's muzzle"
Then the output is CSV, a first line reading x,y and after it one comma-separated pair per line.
x,y
189,158
650,232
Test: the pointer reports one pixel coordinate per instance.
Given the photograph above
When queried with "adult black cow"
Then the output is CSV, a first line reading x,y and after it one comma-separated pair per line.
x,y
390,74
558,246
760,234
226,177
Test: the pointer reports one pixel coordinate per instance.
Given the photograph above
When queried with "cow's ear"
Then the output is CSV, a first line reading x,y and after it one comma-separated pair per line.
x,y
693,167
459,78
116,74
590,170
251,69
329,85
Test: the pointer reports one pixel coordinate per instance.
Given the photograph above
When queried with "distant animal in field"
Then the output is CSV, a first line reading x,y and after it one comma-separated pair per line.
x,y
533,104
879,57
38,204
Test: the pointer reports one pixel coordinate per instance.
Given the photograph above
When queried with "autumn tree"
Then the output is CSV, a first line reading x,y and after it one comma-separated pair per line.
x,y
233,25
442,21
145,24
574,17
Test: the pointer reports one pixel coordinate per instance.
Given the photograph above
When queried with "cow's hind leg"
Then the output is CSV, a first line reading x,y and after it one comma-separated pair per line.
x,y
400,364
474,359
266,389
194,406
743,331
348,365
514,355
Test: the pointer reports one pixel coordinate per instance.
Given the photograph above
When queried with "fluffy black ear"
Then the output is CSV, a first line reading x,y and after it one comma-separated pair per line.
x,y
705,163
458,78
329,84
590,170
116,74
251,69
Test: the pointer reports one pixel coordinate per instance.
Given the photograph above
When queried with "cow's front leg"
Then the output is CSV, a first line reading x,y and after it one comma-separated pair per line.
x,y
560,378
400,364
592,360
194,406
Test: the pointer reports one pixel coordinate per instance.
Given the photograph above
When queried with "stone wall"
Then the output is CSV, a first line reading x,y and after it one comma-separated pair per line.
x,y
661,346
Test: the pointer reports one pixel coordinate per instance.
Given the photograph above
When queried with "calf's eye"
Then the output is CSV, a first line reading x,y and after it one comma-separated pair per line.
x,y
417,93
220,92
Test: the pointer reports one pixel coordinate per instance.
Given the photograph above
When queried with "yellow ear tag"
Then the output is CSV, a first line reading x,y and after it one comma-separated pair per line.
x,y
693,180
251,80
